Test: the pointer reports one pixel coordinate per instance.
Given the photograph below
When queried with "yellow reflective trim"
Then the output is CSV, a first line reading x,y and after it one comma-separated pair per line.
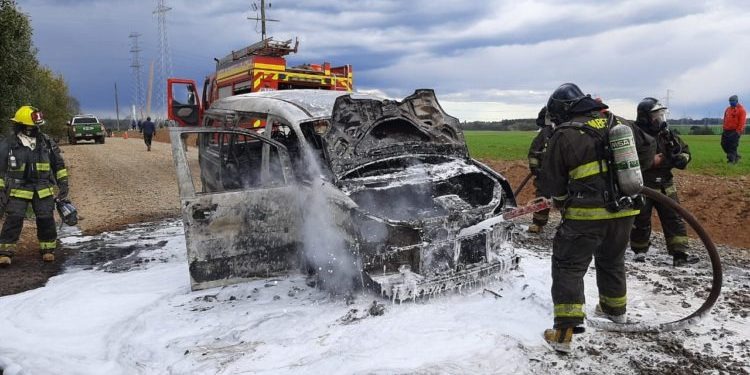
x,y
256,123
670,190
597,123
45,192
23,194
47,245
588,169
614,302
6,246
533,162
677,240
561,198
269,66
2,183
569,310
639,245
596,213
21,167
257,82
62,173
42,166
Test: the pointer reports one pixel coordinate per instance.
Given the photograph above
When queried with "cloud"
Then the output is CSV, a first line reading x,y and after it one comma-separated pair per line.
x,y
487,60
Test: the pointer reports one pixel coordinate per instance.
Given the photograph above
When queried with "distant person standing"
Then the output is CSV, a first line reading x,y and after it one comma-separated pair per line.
x,y
148,129
734,125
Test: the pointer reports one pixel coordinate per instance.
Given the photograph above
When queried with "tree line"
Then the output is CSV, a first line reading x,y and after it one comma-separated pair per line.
x,y
24,81
703,126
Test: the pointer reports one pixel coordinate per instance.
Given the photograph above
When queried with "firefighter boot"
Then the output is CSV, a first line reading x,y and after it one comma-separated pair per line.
x,y
559,339
620,319
535,228
639,256
683,259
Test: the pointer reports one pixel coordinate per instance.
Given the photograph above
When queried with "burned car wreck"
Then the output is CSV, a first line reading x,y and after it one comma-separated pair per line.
x,y
378,192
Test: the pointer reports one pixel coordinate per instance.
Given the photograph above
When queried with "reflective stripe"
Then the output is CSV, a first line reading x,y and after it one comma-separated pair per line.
x,y
42,166
588,169
613,302
569,310
640,245
561,197
670,190
677,240
47,245
20,168
46,192
686,156
7,246
62,173
533,162
596,213
2,183
23,194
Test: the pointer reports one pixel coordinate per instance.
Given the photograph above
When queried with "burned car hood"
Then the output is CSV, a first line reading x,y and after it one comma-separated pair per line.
x,y
364,131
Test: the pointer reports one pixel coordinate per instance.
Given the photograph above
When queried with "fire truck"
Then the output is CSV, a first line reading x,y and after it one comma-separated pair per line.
x,y
259,67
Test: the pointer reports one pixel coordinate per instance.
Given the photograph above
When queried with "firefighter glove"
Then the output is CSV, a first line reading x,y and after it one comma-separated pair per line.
x,y
62,193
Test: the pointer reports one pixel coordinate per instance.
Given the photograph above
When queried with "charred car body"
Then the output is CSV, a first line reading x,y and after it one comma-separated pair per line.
x,y
406,204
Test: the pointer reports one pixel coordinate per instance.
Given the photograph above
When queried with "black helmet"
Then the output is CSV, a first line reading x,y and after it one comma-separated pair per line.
x,y
542,117
645,117
567,100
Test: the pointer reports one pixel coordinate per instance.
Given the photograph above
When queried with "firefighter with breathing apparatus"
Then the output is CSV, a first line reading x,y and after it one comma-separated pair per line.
x,y
592,171
672,152
30,166
536,155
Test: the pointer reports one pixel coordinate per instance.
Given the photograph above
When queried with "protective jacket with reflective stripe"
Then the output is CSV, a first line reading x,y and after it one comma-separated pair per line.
x,y
538,146
35,171
660,176
575,169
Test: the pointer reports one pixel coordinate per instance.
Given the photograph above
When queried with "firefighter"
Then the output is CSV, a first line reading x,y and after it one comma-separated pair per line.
x,y
30,166
536,153
577,178
672,152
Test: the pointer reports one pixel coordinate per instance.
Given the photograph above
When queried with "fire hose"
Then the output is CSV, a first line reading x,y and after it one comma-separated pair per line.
x,y
523,184
713,295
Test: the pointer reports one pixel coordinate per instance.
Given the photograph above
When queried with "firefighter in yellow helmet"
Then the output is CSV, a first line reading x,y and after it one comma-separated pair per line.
x,y
30,166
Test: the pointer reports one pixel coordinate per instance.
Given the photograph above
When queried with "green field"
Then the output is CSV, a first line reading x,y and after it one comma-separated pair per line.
x,y
708,158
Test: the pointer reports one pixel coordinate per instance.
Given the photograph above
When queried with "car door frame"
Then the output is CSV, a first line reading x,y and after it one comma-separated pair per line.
x,y
237,235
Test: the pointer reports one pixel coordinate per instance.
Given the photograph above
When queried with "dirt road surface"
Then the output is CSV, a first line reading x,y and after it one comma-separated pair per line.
x,y
112,185
120,183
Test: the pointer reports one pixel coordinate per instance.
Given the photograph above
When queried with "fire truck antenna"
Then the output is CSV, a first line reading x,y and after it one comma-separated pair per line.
x,y
262,17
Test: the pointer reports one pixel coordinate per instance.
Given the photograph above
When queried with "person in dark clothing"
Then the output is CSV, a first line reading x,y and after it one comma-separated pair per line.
x,y
536,155
577,178
672,152
734,125
31,164
149,129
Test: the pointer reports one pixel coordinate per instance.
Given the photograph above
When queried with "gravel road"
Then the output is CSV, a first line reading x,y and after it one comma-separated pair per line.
x,y
120,183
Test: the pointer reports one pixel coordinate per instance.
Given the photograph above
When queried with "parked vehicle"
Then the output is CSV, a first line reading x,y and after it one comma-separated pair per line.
x,y
85,128
405,208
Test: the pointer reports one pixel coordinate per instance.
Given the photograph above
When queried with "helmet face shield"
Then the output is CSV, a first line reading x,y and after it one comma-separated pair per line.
x,y
659,118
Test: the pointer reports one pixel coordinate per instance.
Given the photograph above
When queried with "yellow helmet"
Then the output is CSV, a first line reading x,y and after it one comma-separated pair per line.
x,y
29,116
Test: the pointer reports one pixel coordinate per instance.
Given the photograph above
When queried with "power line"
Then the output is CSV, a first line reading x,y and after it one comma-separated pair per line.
x,y
262,17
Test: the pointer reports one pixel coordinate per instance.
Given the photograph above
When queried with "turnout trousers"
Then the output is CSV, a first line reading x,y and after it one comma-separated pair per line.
x,y
730,140
46,231
575,243
672,224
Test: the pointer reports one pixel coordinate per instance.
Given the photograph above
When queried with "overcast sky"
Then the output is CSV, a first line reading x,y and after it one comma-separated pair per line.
x,y
486,60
